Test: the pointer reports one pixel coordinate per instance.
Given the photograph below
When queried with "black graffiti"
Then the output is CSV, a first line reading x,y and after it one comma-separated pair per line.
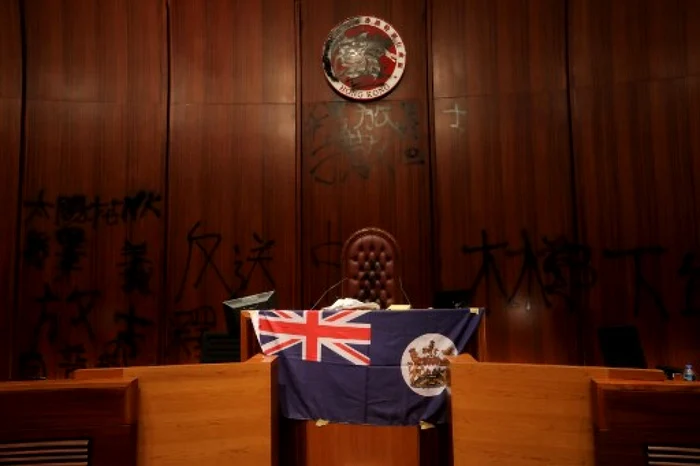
x,y
568,265
207,244
36,248
258,256
529,271
72,242
46,317
81,209
136,268
130,336
488,268
84,301
351,138
124,348
137,206
188,326
78,209
38,207
73,358
31,363
641,284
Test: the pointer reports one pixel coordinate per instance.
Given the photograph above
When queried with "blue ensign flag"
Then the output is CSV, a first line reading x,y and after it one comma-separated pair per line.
x,y
365,367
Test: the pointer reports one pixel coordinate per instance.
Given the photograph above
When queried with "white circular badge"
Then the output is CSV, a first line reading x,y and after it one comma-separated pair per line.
x,y
364,58
424,363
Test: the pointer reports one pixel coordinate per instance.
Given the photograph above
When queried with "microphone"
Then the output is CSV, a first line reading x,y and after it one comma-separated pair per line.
x,y
328,291
405,295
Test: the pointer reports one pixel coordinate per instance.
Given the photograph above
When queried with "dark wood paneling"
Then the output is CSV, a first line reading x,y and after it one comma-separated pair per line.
x,y
85,51
633,419
95,419
233,51
232,164
628,40
10,51
95,140
364,164
97,123
498,47
60,404
10,117
502,171
635,114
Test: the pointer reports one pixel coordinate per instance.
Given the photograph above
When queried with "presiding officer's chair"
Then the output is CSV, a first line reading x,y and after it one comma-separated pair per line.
x,y
372,267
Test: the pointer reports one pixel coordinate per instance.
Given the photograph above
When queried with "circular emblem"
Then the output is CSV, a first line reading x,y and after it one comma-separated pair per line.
x,y
424,363
364,58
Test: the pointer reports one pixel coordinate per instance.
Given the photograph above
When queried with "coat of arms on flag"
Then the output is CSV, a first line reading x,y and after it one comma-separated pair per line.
x,y
365,367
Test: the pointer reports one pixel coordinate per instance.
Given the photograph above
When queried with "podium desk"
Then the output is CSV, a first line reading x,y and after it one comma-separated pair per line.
x,y
528,414
204,414
303,443
68,422
645,422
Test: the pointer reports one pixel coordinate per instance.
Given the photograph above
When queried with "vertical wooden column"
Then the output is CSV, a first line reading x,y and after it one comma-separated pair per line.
x,y
10,133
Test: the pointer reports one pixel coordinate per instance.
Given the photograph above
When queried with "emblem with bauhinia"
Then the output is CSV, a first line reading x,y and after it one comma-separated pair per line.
x,y
363,57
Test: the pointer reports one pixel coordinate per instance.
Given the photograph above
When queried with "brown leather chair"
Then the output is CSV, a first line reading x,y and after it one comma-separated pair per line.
x,y
372,268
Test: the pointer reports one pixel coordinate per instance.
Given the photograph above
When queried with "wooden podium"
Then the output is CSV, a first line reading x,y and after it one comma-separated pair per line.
x,y
68,422
646,422
203,414
537,415
303,443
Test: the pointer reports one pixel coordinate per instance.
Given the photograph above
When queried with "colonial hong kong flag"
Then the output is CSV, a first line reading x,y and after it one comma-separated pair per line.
x,y
365,367
314,330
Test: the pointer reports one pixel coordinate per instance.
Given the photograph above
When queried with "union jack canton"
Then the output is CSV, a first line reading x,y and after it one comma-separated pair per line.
x,y
315,330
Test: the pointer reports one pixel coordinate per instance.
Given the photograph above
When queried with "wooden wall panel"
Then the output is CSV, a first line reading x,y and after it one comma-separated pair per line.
x,y
93,193
636,101
10,120
563,134
232,171
502,171
364,164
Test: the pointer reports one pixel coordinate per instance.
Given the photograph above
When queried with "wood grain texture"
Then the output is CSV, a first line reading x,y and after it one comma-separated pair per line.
x,y
522,414
631,416
502,168
635,105
64,404
364,164
233,51
83,51
628,404
95,129
110,445
630,41
10,120
208,413
339,444
485,47
232,168
102,412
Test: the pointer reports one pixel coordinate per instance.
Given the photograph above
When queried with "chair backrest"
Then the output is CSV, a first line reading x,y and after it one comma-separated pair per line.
x,y
372,267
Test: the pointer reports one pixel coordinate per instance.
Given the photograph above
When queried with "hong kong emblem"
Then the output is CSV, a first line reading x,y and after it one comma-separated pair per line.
x,y
364,58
